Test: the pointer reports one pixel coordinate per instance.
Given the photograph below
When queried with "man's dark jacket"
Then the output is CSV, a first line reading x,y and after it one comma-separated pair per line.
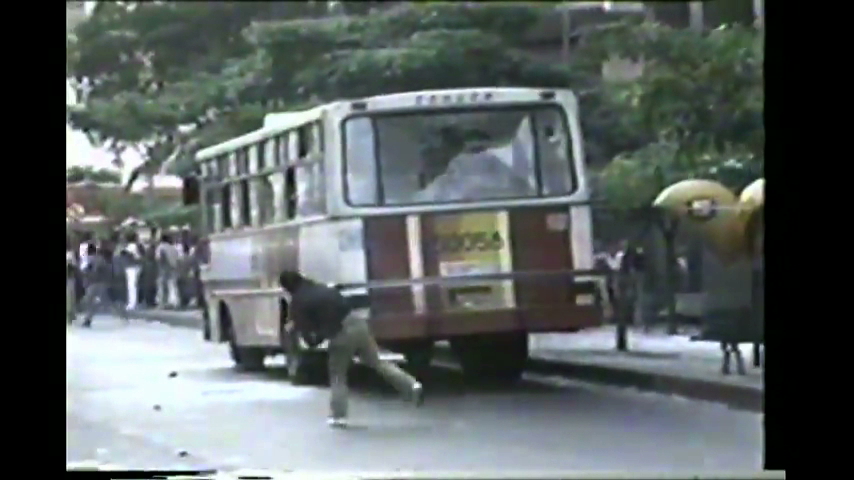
x,y
317,310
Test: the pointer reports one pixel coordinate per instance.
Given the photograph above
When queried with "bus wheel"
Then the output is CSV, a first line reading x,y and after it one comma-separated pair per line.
x,y
249,359
307,367
206,325
492,358
419,356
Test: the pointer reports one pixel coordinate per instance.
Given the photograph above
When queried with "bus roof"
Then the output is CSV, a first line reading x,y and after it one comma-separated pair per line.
x,y
274,123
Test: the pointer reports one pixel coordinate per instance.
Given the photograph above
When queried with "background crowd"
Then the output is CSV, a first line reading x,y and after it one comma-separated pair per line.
x,y
161,271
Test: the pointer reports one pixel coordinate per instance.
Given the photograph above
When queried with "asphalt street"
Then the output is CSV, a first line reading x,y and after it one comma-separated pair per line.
x,y
144,395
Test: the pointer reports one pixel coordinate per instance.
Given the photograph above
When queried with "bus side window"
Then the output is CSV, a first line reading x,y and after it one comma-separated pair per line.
x,y
281,149
360,162
266,200
311,199
294,143
319,187
303,142
244,195
309,196
315,138
224,205
290,193
255,157
212,219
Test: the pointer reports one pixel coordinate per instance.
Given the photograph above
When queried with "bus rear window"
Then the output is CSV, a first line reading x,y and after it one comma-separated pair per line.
x,y
442,156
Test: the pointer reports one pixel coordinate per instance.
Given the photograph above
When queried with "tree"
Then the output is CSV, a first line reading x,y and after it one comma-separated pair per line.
x,y
149,71
169,78
408,47
78,174
699,99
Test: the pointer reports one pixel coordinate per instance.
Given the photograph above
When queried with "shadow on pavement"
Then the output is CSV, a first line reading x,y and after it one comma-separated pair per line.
x,y
440,381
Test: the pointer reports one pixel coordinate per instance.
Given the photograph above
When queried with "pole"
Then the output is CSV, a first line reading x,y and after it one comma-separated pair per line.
x,y
669,231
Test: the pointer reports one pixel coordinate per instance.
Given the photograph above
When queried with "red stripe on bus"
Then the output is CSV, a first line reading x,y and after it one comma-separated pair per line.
x,y
537,246
387,253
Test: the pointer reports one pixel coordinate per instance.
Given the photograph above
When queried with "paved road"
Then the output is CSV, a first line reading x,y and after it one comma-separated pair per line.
x,y
124,408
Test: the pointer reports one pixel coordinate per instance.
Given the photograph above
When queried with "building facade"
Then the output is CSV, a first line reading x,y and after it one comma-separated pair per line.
x,y
75,12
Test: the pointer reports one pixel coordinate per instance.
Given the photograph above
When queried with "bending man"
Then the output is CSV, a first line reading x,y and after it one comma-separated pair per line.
x,y
320,312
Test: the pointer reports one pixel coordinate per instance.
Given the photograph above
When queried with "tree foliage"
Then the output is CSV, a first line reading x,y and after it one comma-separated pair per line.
x,y
410,47
144,70
699,101
168,78
151,69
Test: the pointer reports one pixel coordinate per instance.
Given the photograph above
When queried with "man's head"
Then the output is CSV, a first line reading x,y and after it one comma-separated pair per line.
x,y
90,249
290,280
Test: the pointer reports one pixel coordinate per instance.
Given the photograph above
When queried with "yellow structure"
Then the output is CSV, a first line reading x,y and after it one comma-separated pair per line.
x,y
732,225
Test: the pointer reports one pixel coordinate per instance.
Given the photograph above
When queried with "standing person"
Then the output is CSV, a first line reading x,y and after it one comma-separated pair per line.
x,y
167,270
114,247
633,262
149,271
132,259
185,268
98,275
320,312
83,249
70,282
606,286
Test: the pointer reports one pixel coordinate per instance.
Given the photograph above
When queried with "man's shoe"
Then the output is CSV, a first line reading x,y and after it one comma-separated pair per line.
x,y
418,394
337,422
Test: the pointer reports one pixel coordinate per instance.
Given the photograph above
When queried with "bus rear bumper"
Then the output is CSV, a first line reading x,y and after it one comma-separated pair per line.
x,y
461,323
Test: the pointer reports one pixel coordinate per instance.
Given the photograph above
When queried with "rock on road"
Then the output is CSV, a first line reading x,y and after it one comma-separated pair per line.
x,y
124,408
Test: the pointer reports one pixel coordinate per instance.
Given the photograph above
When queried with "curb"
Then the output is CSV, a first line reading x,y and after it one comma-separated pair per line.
x,y
736,396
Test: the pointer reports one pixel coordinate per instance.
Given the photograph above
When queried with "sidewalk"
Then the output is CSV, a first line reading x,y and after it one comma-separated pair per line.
x,y
655,351
655,361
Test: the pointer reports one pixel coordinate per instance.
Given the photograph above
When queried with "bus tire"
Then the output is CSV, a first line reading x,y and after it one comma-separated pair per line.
x,y
206,325
492,358
248,359
308,368
419,357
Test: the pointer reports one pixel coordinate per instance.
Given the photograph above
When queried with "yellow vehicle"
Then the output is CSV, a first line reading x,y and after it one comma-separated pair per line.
x,y
457,215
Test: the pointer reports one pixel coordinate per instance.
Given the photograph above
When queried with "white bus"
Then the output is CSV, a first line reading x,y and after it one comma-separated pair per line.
x,y
457,215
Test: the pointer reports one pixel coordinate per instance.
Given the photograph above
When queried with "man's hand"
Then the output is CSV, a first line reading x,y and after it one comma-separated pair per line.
x,y
289,326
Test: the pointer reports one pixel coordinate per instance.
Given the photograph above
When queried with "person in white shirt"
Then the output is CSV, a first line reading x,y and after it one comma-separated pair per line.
x,y
83,252
133,267
70,285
